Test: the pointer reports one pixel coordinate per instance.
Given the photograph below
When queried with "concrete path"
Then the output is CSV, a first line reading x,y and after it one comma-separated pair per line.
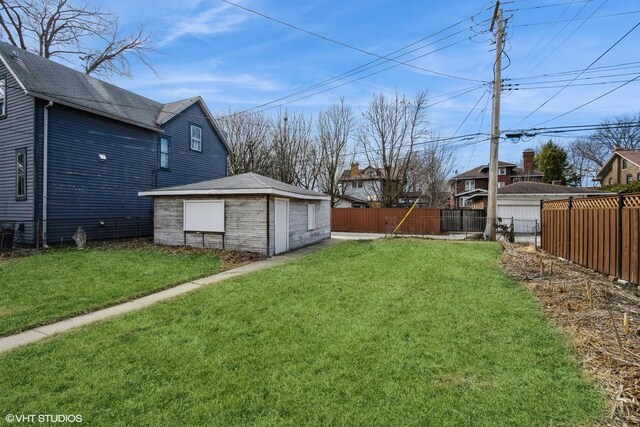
x,y
41,332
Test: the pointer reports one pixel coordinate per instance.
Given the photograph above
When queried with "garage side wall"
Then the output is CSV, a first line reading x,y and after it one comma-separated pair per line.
x,y
299,235
245,224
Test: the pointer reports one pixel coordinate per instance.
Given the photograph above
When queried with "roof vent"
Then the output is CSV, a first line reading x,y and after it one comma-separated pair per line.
x,y
14,54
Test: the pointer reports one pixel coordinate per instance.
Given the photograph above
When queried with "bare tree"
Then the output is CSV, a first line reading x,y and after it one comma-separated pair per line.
x,y
335,129
296,159
391,128
589,154
73,32
428,171
248,135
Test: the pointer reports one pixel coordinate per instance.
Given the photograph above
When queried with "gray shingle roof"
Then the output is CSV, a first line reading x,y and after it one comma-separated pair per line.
x,y
246,183
46,79
482,171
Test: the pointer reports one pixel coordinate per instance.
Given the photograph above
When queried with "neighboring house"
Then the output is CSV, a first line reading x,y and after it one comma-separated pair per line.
x,y
75,150
247,212
622,167
363,184
351,202
470,188
521,201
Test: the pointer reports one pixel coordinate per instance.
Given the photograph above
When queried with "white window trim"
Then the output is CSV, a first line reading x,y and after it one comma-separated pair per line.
x,y
469,187
194,139
502,171
500,184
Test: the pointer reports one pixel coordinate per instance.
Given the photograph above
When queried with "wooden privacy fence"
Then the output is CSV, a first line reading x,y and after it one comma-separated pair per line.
x,y
601,233
384,220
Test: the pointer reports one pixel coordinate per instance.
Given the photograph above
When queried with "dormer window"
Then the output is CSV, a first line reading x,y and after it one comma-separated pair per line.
x,y
196,138
502,171
3,97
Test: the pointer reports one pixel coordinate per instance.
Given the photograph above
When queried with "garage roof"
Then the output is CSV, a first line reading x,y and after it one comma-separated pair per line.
x,y
246,183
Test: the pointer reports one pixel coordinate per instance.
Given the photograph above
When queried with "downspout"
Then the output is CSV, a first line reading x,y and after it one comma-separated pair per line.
x,y
45,170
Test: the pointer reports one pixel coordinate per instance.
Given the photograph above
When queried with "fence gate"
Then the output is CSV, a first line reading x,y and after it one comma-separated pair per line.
x,y
462,220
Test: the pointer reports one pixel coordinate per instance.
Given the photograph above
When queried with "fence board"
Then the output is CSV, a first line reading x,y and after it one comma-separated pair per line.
x,y
384,220
586,231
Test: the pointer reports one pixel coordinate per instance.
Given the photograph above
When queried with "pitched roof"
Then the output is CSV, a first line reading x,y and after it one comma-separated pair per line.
x,y
363,176
482,171
246,183
529,187
48,80
632,155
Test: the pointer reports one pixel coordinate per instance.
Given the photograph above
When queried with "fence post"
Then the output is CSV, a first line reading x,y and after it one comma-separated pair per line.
x,y
569,228
619,261
541,209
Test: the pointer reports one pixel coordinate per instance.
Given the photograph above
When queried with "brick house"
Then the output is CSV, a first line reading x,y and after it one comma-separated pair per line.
x,y
470,188
622,167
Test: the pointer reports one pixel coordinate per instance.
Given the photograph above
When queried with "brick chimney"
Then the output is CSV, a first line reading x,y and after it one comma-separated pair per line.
x,y
528,165
355,170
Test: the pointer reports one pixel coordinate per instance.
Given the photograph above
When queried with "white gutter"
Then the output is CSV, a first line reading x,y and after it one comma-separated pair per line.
x,y
45,172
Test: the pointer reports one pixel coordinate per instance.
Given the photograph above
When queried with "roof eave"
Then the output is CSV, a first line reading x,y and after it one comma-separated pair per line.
x,y
226,192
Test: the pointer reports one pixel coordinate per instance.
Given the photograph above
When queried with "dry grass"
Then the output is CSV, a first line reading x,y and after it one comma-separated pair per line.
x,y
590,309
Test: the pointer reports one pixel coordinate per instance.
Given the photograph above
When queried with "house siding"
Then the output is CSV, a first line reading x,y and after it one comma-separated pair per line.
x,y
245,222
16,132
188,166
619,175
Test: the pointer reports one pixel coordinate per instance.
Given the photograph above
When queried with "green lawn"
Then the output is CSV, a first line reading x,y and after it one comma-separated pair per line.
x,y
49,286
392,333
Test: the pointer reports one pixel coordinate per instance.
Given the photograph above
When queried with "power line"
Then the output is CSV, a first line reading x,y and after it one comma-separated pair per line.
x,y
631,12
366,52
579,74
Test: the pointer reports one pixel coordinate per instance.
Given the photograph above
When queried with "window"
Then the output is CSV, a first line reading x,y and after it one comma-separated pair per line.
x,y
638,178
21,174
196,138
469,184
610,181
359,184
356,184
164,153
629,178
3,97
500,184
502,171
311,217
624,163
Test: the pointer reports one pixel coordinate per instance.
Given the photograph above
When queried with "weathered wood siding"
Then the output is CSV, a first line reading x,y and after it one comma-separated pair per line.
x,y
245,222
17,132
245,219
299,236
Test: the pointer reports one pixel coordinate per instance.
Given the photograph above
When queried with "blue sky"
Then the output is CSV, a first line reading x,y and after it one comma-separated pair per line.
x,y
239,60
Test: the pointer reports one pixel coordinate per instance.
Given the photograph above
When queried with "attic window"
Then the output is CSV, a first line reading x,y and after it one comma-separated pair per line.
x,y
196,138
3,97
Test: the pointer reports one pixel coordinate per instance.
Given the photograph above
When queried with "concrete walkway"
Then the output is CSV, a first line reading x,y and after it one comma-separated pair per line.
x,y
41,332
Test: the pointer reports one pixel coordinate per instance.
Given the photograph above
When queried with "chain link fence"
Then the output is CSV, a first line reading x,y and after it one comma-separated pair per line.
x,y
18,234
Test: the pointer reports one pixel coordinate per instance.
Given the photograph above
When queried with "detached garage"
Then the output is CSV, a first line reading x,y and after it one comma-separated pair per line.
x,y
247,212
521,201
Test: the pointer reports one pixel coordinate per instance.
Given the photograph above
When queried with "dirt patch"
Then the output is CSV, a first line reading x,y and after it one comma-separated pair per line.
x,y
230,259
590,309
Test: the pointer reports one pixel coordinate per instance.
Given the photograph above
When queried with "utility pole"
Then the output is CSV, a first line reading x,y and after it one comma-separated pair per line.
x,y
495,123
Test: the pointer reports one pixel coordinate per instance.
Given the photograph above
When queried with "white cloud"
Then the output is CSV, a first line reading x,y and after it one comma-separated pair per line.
x,y
205,23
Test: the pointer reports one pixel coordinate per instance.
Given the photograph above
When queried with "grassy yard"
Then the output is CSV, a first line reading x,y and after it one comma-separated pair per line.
x,y
366,333
54,285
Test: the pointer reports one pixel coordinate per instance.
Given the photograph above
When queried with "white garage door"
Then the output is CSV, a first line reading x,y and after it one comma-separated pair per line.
x,y
524,216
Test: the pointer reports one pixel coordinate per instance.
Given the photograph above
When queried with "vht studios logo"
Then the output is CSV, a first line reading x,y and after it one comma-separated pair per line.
x,y
43,418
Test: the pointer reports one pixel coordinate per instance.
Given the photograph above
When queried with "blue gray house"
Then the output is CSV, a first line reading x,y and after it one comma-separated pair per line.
x,y
75,151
